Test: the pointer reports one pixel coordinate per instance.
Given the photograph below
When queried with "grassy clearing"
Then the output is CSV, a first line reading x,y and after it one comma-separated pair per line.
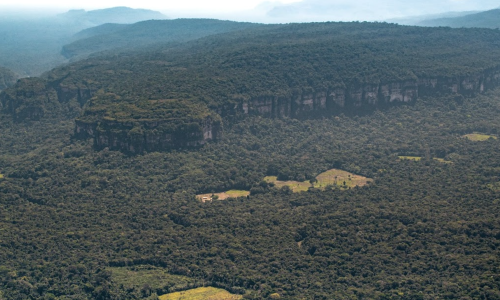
x,y
478,137
340,178
139,276
494,186
296,186
415,158
442,160
1,175
333,177
203,293
224,195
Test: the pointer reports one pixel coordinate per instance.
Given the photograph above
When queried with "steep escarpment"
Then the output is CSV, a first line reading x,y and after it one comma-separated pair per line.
x,y
366,97
149,125
175,97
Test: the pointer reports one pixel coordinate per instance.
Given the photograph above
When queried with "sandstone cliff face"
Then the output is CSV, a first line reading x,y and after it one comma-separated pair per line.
x,y
137,137
367,96
32,98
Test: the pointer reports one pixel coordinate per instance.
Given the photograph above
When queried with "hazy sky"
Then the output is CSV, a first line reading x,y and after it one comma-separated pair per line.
x,y
164,6
268,10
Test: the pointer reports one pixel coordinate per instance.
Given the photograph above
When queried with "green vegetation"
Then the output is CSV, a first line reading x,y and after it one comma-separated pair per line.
x,y
203,293
479,137
82,223
144,281
146,34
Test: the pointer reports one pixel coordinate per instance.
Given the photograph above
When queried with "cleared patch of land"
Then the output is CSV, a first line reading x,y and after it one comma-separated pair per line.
x,y
442,160
478,137
333,177
222,196
139,276
203,293
340,178
415,158
494,186
296,186
1,175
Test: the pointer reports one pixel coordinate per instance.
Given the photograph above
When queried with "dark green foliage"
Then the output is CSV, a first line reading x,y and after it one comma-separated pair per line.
x,y
145,34
7,78
422,230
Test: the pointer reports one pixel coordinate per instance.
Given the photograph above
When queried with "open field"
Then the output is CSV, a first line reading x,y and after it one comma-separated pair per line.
x,y
1,175
478,137
296,186
333,177
442,160
340,178
224,195
203,293
494,186
415,158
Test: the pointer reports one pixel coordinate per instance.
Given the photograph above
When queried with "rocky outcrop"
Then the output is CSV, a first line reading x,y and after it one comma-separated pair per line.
x,y
159,135
33,98
360,97
29,99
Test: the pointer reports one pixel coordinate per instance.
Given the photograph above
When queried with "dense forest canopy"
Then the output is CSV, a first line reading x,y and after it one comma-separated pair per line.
x,y
74,219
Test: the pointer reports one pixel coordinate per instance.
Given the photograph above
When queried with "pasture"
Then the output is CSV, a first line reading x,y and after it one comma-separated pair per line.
x,y
404,157
478,137
203,293
223,195
333,177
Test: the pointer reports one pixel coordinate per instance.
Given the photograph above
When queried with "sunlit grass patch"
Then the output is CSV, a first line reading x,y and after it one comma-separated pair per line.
x,y
223,195
415,158
478,137
333,177
442,160
203,293
340,178
494,186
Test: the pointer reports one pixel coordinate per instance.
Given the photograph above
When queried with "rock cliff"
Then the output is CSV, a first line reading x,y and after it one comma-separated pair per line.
x,y
168,124
365,97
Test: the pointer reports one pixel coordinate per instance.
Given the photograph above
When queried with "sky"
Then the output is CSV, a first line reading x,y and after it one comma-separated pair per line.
x,y
268,10
164,6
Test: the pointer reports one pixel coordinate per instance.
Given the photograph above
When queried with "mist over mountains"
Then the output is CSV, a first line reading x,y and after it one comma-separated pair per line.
x,y
31,45
365,10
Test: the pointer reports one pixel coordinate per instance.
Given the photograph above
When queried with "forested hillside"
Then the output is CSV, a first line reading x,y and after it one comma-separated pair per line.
x,y
145,34
7,78
79,220
150,100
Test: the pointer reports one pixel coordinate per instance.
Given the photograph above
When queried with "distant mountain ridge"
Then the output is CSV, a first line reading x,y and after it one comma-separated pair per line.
x,y
30,47
485,19
146,33
120,15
